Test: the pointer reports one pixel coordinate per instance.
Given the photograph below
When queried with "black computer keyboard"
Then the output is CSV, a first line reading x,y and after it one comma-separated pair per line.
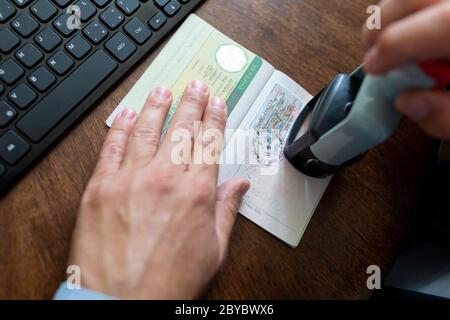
x,y
53,67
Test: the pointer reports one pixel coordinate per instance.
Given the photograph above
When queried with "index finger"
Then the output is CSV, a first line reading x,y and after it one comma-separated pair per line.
x,y
419,37
391,11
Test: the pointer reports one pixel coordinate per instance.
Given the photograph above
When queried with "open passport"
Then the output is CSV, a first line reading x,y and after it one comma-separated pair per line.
x,y
260,100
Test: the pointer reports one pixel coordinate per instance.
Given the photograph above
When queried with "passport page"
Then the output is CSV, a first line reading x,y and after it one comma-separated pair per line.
x,y
281,200
197,51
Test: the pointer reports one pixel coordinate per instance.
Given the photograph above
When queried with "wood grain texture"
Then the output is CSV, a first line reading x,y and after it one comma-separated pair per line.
x,y
361,220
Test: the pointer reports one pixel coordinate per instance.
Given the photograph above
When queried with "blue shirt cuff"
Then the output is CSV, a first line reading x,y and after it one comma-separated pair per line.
x,y
64,293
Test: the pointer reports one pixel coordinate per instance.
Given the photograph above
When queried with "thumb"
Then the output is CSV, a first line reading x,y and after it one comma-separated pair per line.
x,y
228,201
430,109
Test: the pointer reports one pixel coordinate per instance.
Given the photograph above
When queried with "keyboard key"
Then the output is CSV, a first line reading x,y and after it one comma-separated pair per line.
x,y
29,55
7,113
12,147
24,24
41,79
66,96
43,10
172,8
62,3
8,40
1,89
120,47
7,10
78,47
128,6
60,63
87,10
137,30
10,71
157,21
161,3
95,32
21,3
22,96
101,3
47,39
61,24
2,170
112,17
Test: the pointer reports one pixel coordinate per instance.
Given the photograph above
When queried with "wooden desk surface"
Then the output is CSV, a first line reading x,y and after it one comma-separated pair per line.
x,y
361,220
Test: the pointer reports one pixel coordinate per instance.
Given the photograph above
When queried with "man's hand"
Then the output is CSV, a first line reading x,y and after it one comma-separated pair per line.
x,y
150,227
414,30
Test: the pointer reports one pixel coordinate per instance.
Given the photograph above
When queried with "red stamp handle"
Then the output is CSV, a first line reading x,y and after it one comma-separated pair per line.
x,y
439,70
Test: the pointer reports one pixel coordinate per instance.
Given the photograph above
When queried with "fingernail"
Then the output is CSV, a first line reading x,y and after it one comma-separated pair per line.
x,y
124,113
128,114
163,92
244,188
414,108
218,102
371,57
199,85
